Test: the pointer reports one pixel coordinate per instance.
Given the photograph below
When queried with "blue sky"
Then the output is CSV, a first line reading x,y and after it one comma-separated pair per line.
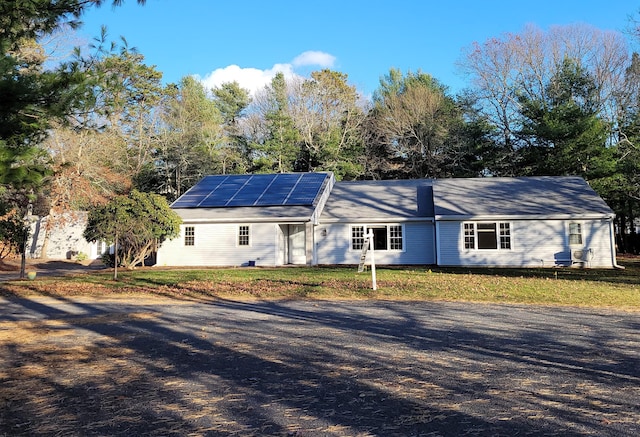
x,y
250,40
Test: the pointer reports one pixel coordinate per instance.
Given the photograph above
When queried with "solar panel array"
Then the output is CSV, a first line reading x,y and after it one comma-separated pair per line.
x,y
253,190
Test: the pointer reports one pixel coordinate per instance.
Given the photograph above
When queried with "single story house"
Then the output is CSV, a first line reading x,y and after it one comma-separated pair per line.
x,y
310,219
522,222
266,219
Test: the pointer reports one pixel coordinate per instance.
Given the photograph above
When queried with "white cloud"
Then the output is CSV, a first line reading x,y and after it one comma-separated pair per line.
x,y
321,59
255,79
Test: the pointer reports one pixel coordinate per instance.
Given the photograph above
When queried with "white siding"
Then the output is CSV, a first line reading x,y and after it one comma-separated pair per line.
x,y
333,245
534,243
597,237
64,235
216,245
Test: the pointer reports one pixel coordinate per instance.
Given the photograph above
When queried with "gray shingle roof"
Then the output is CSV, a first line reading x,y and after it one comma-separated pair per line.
x,y
380,200
525,196
423,199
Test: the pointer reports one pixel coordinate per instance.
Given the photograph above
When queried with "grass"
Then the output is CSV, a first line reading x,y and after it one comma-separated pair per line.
x,y
576,287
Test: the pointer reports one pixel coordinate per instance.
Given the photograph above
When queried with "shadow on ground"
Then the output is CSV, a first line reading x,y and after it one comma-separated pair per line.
x,y
159,367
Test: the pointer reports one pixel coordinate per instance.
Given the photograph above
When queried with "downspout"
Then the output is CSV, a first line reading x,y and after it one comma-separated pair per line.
x,y
436,239
612,238
309,242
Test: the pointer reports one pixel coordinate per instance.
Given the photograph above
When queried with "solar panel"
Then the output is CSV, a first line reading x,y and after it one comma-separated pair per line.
x,y
305,191
250,191
253,190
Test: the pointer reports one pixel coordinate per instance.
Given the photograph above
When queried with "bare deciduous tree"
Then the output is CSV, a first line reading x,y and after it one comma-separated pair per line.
x,y
501,69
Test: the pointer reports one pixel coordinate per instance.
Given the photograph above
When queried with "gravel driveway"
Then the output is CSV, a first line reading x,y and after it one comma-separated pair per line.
x,y
308,368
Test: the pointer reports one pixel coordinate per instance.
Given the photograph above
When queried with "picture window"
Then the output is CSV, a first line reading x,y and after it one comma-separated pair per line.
x,y
487,236
385,237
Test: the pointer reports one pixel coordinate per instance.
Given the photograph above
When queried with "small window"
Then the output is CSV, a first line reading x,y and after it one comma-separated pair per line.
x,y
189,236
575,234
102,247
243,235
395,237
505,236
357,237
469,236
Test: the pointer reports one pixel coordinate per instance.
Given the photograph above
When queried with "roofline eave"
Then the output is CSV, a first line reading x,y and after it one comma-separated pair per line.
x,y
397,219
458,218
232,220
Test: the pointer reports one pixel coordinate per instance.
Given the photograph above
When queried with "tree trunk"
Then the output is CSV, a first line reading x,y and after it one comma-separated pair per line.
x,y
45,240
115,258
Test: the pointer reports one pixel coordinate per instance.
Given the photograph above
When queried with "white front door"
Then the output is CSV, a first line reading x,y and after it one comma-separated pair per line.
x,y
297,249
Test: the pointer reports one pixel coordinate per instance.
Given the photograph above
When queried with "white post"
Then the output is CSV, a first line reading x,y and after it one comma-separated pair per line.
x,y
373,260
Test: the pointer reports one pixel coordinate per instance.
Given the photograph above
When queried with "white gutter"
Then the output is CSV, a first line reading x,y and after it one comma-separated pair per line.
x,y
377,220
436,238
525,217
280,220
612,238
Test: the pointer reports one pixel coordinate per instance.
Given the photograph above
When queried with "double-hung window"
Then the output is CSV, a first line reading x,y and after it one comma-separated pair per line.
x,y
575,234
505,236
469,236
357,237
189,236
385,237
395,237
244,235
487,236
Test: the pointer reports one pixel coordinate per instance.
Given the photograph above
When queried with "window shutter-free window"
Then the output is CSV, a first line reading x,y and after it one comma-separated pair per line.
x,y
189,236
487,236
469,236
575,234
395,237
243,235
357,237
379,237
385,237
505,236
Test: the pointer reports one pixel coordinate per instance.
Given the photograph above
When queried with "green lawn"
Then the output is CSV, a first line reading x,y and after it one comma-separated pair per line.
x,y
582,287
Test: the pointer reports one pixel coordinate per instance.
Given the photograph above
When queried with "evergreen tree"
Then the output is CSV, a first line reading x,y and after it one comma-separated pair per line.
x,y
563,132
30,97
192,142
281,146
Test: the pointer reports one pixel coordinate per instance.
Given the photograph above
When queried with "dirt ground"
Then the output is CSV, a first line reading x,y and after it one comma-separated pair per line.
x,y
164,367
10,268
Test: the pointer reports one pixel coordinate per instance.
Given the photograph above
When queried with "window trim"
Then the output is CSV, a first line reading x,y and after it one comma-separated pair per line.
x,y
505,231
391,238
503,234
356,241
580,233
189,236
357,247
240,235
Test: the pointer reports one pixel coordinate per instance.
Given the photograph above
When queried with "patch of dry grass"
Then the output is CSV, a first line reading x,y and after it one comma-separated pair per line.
x,y
588,287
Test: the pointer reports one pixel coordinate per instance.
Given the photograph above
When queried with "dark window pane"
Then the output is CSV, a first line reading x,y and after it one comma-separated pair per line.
x,y
380,238
487,236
